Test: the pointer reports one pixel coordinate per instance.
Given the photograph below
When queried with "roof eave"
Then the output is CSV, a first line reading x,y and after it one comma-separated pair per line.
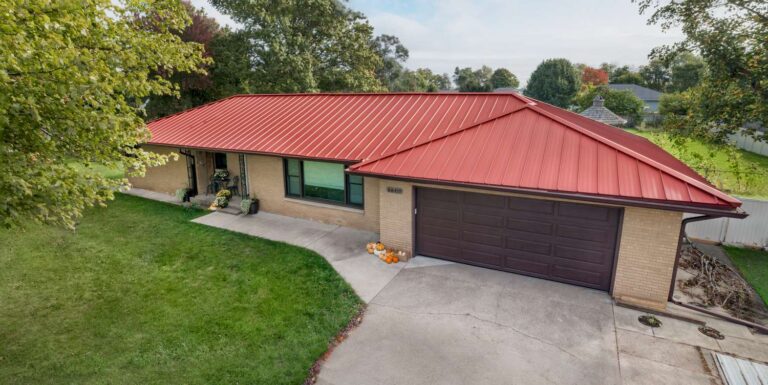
x,y
712,210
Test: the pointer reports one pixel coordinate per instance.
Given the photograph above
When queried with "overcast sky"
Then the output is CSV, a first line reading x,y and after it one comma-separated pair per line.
x,y
516,34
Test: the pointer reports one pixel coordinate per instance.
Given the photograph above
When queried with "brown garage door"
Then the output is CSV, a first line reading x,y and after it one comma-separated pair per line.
x,y
566,242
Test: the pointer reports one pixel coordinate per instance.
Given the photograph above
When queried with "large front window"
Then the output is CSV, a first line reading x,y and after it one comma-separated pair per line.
x,y
323,181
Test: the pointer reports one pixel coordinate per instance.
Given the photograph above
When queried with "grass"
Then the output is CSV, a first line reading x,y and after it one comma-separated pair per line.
x,y
721,172
110,173
753,266
140,295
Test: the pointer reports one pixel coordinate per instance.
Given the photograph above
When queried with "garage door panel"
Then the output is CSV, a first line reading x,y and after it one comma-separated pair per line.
x,y
479,257
441,213
529,226
441,232
601,235
476,238
531,205
531,246
497,202
562,241
438,195
580,255
483,219
584,212
590,278
526,265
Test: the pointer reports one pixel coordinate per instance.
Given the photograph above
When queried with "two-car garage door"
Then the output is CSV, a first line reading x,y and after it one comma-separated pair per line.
x,y
561,241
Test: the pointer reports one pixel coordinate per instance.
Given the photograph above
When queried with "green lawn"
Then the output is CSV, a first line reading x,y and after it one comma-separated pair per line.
x,y
111,173
753,265
723,175
140,295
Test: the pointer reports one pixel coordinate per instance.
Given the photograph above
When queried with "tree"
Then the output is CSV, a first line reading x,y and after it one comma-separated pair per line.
x,y
421,80
686,70
469,80
730,36
623,103
554,81
624,75
655,75
675,104
73,75
393,54
594,76
503,78
194,87
306,46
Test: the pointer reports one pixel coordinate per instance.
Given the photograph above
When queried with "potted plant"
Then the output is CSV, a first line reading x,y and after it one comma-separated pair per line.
x,y
221,174
182,194
222,198
249,206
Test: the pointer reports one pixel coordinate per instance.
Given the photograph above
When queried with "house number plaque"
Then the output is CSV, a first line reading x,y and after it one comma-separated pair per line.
x,y
394,190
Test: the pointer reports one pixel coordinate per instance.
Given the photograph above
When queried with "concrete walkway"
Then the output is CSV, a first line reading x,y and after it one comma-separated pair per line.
x,y
153,195
343,247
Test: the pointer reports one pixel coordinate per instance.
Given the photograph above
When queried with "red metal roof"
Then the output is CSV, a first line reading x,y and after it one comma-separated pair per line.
x,y
349,127
486,139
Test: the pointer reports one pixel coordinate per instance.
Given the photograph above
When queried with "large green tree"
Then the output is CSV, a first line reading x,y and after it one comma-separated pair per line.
x,y
686,71
554,81
195,88
730,36
393,54
470,80
421,80
503,78
73,75
305,46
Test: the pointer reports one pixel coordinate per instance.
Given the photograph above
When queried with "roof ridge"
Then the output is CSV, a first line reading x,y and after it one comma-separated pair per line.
x,y
195,108
636,155
480,123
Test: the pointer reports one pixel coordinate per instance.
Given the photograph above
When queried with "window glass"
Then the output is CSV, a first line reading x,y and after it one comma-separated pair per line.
x,y
220,160
293,175
356,189
324,180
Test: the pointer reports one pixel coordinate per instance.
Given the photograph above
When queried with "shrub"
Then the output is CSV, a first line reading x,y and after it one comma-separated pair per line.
x,y
224,194
182,194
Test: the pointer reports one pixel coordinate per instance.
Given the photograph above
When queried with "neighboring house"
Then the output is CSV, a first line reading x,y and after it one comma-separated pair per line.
x,y
600,113
649,97
495,180
508,89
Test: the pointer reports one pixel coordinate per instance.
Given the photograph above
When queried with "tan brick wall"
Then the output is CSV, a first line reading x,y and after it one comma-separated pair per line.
x,y
265,180
646,256
396,224
167,178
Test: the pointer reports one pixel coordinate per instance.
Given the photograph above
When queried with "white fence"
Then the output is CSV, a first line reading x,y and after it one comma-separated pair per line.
x,y
747,142
750,231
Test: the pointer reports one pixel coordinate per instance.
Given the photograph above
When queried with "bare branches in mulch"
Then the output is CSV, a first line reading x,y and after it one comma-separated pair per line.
x,y
715,284
343,334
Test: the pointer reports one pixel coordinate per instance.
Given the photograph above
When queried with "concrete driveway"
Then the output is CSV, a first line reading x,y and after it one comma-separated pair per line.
x,y
444,323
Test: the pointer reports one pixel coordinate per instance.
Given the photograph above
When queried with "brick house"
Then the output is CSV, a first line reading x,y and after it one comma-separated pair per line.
x,y
495,180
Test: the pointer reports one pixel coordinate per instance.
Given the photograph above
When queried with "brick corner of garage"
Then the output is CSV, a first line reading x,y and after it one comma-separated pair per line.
x,y
646,260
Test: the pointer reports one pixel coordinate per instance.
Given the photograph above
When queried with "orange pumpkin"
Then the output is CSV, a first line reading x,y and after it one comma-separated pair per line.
x,y
380,246
395,260
389,260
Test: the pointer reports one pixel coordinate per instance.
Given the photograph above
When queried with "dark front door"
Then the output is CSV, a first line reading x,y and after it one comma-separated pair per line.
x,y
560,241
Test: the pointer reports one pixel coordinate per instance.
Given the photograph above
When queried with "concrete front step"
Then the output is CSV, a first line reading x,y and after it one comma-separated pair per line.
x,y
230,210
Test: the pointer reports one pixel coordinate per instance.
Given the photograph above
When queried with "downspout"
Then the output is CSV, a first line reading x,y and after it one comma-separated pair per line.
x,y
684,223
760,328
190,177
